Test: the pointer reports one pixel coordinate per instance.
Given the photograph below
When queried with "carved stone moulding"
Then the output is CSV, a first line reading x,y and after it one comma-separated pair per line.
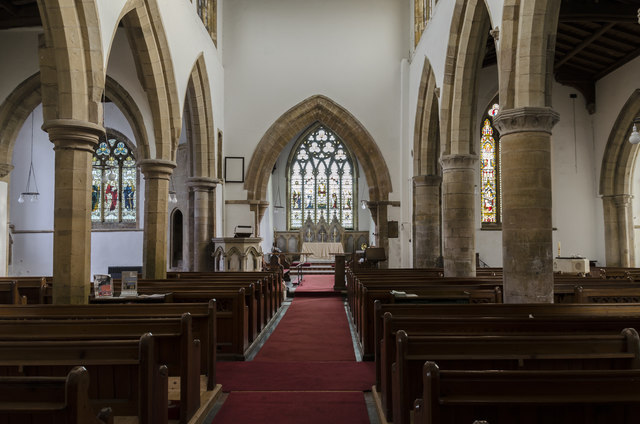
x,y
526,119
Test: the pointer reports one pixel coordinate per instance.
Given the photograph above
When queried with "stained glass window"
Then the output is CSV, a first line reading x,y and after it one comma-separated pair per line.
x,y
321,180
490,169
114,182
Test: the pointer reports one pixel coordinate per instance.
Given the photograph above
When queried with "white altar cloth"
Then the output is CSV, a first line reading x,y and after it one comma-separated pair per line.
x,y
321,251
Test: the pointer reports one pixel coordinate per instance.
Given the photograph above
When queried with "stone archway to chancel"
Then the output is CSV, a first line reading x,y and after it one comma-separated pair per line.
x,y
313,110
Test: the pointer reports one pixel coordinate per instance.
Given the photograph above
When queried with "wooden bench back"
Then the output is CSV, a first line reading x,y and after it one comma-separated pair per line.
x,y
124,373
513,352
49,400
507,397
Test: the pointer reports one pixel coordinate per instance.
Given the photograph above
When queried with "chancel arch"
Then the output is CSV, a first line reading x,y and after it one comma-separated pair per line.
x,y
320,109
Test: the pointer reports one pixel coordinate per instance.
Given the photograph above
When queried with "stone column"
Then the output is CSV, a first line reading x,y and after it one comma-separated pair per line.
x,y
458,203
201,189
527,246
156,216
426,221
618,230
74,143
380,215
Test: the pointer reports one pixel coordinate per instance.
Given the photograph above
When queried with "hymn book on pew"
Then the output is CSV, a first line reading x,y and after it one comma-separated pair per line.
x,y
129,283
102,285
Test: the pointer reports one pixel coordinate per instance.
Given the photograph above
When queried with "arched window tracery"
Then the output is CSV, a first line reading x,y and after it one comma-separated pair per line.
x,y
490,170
321,176
114,182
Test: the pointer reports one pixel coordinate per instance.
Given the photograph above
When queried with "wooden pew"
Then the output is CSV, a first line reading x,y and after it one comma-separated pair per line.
x,y
254,298
437,293
585,294
232,318
378,288
175,345
124,373
203,320
34,289
9,293
49,400
507,397
493,319
273,280
504,352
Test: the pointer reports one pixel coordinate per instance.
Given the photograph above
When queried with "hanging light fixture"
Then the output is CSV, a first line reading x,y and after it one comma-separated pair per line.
x,y
634,138
30,193
173,198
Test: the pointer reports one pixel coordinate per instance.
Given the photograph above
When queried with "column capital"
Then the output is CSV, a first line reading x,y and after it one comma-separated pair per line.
x,y
427,180
464,161
73,134
526,119
157,168
5,169
619,199
202,183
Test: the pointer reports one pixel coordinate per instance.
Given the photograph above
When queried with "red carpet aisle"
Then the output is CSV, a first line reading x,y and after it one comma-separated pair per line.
x,y
316,283
306,371
313,329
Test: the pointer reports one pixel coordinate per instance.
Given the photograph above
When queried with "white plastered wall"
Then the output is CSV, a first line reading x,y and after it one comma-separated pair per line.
x,y
280,52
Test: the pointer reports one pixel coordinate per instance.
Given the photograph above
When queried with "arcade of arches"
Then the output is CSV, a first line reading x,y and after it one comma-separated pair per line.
x,y
408,98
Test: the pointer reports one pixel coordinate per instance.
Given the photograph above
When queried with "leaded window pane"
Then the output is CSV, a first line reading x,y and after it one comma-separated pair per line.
x,y
489,169
321,180
114,183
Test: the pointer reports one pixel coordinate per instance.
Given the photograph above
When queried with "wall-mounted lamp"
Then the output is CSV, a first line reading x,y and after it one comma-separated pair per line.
x,y
363,204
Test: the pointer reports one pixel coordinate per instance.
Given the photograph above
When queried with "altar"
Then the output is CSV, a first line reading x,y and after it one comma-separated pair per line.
x,y
320,250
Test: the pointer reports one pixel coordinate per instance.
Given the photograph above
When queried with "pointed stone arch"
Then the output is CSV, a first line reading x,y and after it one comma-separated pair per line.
x,y
457,134
300,117
148,41
426,137
147,38
17,107
202,167
201,125
459,92
615,186
427,177
71,60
